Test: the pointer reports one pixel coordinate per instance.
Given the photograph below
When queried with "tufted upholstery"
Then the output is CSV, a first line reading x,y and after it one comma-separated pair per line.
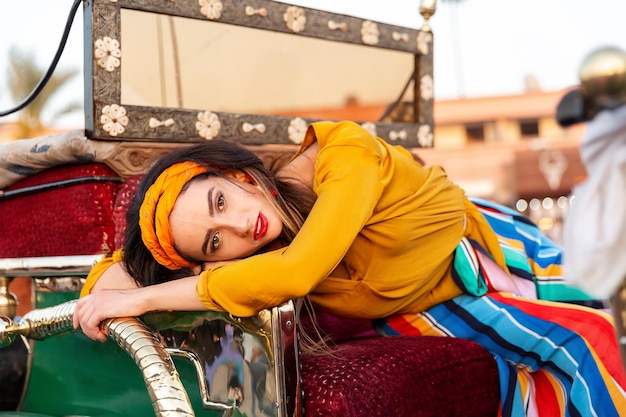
x,y
70,220
420,376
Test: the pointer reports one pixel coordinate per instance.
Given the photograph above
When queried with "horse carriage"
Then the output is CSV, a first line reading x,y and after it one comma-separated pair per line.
x,y
63,203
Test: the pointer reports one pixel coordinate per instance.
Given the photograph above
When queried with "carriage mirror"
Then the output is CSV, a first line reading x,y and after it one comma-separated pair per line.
x,y
252,72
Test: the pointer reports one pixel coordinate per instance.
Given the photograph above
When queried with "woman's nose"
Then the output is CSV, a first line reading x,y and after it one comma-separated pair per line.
x,y
238,224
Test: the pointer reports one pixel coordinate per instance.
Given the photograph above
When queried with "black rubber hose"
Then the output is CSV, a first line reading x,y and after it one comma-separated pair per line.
x,y
44,80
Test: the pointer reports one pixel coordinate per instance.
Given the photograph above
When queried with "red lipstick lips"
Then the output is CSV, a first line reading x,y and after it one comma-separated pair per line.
x,y
261,227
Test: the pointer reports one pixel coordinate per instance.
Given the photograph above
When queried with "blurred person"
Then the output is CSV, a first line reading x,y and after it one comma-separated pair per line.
x,y
594,231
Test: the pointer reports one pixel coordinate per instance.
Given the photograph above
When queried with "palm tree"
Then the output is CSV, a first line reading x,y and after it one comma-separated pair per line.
x,y
23,74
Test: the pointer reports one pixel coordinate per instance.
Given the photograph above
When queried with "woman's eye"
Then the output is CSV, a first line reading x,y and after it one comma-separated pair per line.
x,y
220,202
215,242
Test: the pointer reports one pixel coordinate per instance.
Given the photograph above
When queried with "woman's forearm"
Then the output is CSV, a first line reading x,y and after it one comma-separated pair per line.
x,y
172,295
100,305
114,277
179,294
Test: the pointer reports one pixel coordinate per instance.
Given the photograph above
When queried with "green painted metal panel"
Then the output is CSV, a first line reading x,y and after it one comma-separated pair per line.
x,y
73,375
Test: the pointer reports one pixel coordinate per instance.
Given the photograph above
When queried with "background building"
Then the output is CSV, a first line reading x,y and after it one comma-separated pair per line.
x,y
509,149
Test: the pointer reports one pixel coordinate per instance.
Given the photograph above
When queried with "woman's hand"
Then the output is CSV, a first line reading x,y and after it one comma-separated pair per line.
x,y
92,309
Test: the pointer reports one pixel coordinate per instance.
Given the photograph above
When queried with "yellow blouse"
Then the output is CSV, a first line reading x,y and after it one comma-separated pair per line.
x,y
98,269
394,223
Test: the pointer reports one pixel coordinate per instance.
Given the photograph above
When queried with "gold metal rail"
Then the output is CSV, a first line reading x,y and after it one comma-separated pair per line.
x,y
168,395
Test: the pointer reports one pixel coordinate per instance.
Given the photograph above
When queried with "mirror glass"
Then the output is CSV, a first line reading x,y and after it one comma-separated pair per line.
x,y
178,62
237,368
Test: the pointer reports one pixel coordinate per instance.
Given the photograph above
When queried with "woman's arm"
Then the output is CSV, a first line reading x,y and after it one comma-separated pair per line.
x,y
110,291
114,277
92,309
108,273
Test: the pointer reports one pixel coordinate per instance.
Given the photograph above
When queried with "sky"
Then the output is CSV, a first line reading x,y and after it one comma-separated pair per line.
x,y
482,47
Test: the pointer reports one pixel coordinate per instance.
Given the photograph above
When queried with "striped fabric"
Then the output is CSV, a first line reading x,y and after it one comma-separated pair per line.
x,y
554,359
467,271
476,273
530,254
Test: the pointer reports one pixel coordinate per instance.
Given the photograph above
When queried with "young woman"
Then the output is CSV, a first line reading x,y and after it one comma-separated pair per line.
x,y
364,231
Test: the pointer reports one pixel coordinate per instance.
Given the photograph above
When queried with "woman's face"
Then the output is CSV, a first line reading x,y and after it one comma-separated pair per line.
x,y
221,219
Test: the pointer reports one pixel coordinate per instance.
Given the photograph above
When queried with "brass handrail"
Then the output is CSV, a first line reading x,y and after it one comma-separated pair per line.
x,y
168,395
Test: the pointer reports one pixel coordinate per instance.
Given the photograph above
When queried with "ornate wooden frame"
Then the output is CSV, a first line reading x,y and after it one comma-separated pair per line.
x,y
107,118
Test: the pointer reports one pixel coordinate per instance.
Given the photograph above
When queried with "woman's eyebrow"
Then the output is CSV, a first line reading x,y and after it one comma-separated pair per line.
x,y
209,232
210,200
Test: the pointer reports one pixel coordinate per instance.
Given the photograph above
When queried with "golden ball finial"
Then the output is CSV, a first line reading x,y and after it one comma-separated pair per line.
x,y
427,10
603,77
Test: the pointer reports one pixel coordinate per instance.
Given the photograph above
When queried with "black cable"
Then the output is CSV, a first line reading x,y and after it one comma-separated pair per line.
x,y
44,80
56,185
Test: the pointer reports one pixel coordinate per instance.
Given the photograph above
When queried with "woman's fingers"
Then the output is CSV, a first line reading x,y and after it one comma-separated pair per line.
x,y
82,306
86,317
75,321
92,309
91,322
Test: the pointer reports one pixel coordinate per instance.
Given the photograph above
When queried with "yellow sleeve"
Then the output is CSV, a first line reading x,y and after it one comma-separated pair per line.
x,y
348,185
98,269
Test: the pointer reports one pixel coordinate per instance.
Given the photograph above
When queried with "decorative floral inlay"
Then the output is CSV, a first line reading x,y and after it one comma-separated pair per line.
x,y
401,135
294,18
370,127
424,39
208,125
297,130
425,136
212,9
342,26
249,127
108,53
251,11
154,123
400,37
369,33
426,87
114,119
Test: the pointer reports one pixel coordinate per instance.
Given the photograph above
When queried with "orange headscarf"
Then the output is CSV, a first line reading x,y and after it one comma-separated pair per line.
x,y
155,211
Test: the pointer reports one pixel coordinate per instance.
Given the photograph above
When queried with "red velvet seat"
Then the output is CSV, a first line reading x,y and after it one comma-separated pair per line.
x,y
63,220
421,376
366,376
